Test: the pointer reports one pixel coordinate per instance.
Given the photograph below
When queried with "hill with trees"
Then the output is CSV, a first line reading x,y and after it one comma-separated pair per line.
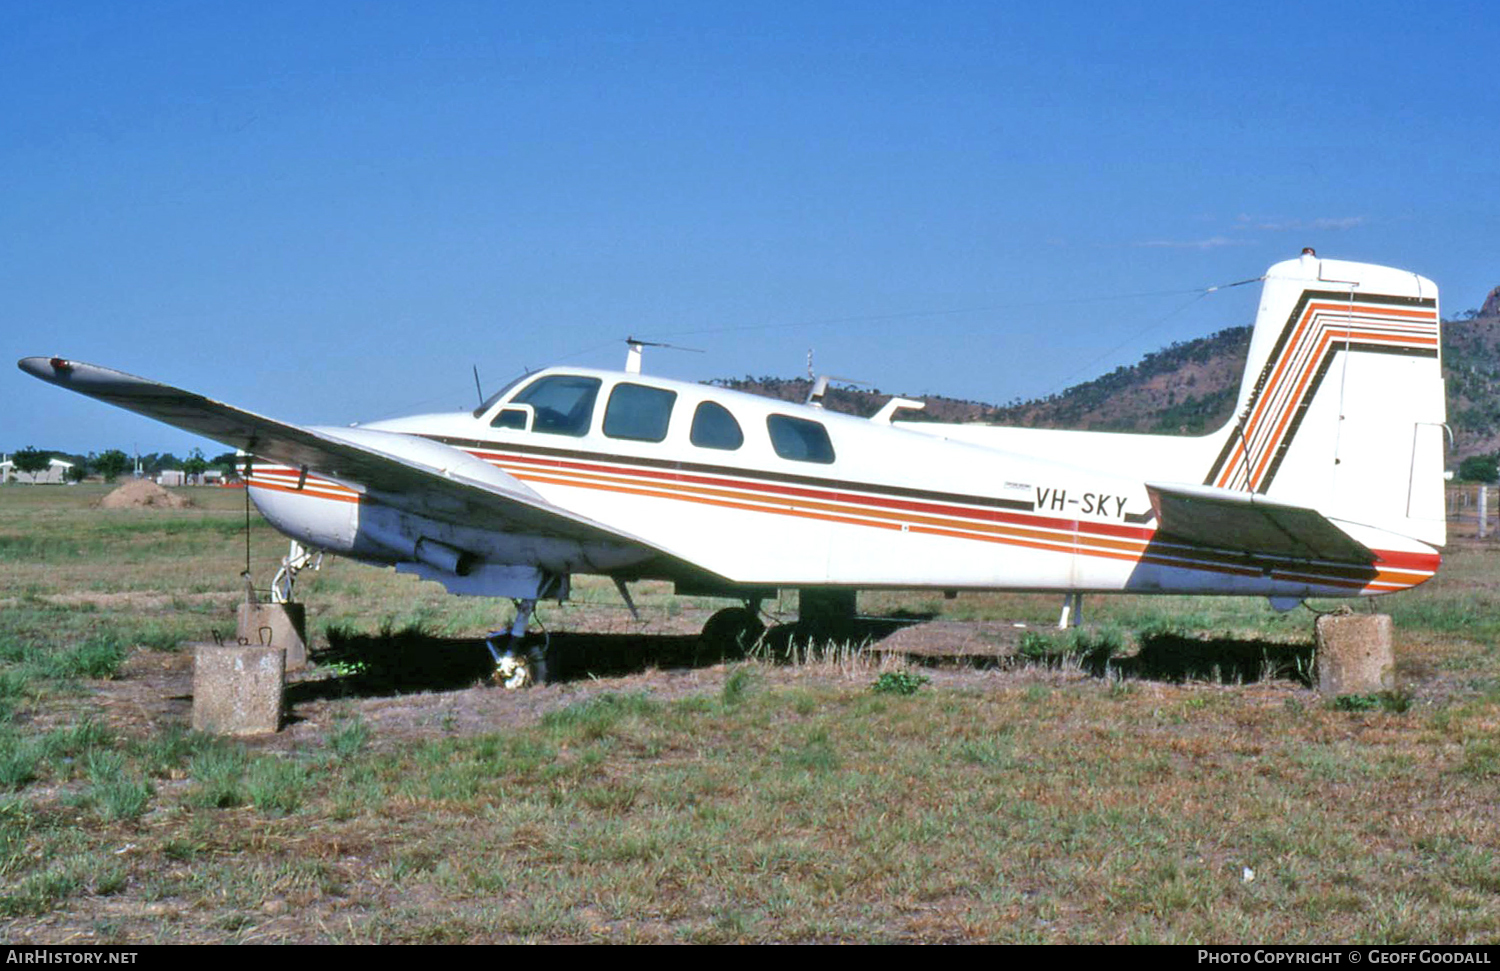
x,y
1189,388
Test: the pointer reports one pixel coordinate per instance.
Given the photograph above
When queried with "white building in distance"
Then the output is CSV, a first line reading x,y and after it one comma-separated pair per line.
x,y
56,472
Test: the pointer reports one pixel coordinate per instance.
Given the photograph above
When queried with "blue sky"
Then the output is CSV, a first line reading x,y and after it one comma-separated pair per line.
x,y
330,212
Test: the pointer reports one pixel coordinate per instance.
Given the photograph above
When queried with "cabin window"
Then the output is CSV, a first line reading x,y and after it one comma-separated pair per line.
x,y
510,418
715,427
799,439
563,404
638,413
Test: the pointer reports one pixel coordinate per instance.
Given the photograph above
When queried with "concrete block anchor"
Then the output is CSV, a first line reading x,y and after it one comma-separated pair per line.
x,y
238,688
1355,654
279,625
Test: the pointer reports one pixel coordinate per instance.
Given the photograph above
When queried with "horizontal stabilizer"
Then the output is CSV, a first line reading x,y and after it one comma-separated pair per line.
x,y
1229,520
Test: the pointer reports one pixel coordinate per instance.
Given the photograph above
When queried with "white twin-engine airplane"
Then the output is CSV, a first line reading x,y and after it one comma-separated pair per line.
x,y
1327,482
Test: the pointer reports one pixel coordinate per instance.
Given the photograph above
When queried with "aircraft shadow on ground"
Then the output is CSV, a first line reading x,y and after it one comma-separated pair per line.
x,y
1226,660
407,661
403,662
1170,658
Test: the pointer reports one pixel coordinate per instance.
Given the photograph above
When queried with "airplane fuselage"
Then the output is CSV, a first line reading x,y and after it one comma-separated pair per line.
x,y
783,494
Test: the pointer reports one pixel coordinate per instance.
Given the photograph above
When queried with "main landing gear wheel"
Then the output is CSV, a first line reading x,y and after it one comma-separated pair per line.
x,y
517,669
732,631
518,664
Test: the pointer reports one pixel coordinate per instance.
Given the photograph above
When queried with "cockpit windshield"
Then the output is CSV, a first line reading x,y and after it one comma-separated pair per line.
x,y
492,399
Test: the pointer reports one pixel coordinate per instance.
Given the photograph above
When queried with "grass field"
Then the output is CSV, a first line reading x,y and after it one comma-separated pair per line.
x,y
1031,801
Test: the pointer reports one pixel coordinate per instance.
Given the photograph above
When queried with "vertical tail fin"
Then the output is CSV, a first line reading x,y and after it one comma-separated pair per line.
x,y
1342,405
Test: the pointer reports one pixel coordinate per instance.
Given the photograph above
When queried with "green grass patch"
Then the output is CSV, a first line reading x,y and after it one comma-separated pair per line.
x,y
599,716
738,684
96,657
899,683
20,759
815,754
349,737
31,549
73,741
1397,702
276,785
218,772
114,793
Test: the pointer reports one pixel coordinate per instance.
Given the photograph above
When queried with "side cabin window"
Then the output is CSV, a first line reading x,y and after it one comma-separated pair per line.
x,y
563,404
638,413
510,418
715,427
799,439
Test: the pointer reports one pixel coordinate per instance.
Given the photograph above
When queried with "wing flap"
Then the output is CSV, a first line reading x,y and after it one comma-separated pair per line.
x,y
1249,523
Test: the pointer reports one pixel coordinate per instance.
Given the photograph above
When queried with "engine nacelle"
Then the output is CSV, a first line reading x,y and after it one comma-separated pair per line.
x,y
315,517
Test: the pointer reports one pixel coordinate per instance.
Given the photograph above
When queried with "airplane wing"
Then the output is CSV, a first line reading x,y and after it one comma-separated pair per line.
x,y
1249,523
403,471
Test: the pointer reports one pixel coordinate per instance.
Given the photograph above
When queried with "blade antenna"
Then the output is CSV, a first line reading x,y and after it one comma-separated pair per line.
x,y
636,345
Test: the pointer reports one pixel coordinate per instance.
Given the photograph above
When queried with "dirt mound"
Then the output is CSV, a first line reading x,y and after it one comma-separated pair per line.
x,y
139,493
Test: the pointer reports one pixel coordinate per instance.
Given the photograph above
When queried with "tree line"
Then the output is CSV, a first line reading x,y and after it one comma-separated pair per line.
x,y
113,463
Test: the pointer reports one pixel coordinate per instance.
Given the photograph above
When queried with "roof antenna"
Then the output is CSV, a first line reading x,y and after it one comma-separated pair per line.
x,y
633,355
477,388
820,387
820,383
